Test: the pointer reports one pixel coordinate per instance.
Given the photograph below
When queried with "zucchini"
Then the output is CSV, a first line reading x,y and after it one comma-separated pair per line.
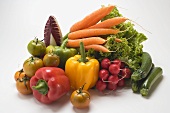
x,y
136,85
154,75
143,71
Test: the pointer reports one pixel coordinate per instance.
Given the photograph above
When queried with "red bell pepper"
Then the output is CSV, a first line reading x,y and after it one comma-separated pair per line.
x,y
49,84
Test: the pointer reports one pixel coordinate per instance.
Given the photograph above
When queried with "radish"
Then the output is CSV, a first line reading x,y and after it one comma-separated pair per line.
x,y
117,61
122,65
100,85
126,73
121,83
111,86
105,63
114,69
103,74
113,79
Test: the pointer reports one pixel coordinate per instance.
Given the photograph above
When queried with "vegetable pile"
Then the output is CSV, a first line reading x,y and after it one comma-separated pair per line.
x,y
102,51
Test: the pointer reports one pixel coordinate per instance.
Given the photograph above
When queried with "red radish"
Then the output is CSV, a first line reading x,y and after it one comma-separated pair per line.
x,y
105,63
111,86
117,61
113,79
103,74
114,69
100,85
126,72
122,65
121,83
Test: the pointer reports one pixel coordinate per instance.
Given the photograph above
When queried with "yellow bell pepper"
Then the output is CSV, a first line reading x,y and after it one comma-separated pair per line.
x,y
82,70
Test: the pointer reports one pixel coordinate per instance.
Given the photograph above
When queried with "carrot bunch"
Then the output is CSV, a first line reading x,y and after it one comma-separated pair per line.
x,y
89,29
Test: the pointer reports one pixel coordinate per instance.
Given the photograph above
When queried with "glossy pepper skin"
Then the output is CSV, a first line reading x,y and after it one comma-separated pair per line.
x,y
49,84
82,70
64,53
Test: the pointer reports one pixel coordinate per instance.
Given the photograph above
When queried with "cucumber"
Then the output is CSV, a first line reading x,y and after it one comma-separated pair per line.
x,y
154,75
143,71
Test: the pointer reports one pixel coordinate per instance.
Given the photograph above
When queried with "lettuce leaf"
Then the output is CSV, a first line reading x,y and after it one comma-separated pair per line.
x,y
128,50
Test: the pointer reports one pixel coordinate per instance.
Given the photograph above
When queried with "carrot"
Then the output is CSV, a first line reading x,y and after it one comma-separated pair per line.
x,y
97,47
86,41
92,18
118,40
109,22
91,32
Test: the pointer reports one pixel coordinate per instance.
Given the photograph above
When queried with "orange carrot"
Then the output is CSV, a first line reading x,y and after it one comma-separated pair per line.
x,y
86,41
109,22
92,18
118,40
97,47
91,32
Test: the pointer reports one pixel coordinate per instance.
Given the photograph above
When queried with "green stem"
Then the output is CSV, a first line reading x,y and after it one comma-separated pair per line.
x,y
32,59
64,43
41,87
82,53
79,91
36,40
65,37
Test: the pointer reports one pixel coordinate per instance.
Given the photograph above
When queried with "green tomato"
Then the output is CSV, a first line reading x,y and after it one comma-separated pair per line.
x,y
51,48
51,60
31,65
36,47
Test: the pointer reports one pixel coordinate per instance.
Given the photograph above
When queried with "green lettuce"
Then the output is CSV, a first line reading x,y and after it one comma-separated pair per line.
x,y
128,50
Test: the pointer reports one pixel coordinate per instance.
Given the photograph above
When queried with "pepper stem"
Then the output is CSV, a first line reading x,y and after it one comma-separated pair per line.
x,y
82,53
64,43
41,87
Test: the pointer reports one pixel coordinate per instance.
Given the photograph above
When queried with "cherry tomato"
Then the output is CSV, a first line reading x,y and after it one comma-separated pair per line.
x,y
23,83
51,48
80,98
18,74
36,47
31,65
51,60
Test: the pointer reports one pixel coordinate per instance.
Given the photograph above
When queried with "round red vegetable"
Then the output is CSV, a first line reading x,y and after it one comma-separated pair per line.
x,y
113,79
121,83
117,61
126,72
100,85
111,86
114,69
105,63
103,74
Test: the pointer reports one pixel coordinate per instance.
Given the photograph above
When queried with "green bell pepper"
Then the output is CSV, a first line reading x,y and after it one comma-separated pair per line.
x,y
64,53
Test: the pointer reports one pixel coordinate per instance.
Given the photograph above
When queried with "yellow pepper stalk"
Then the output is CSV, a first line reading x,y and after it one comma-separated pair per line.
x,y
82,70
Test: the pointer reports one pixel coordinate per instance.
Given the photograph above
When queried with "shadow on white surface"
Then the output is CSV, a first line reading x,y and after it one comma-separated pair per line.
x,y
24,97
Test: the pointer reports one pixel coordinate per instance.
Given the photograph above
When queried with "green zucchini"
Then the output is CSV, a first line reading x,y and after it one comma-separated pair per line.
x,y
143,71
136,85
154,75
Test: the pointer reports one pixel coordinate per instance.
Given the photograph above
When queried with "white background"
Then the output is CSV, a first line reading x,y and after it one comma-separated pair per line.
x,y
22,20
